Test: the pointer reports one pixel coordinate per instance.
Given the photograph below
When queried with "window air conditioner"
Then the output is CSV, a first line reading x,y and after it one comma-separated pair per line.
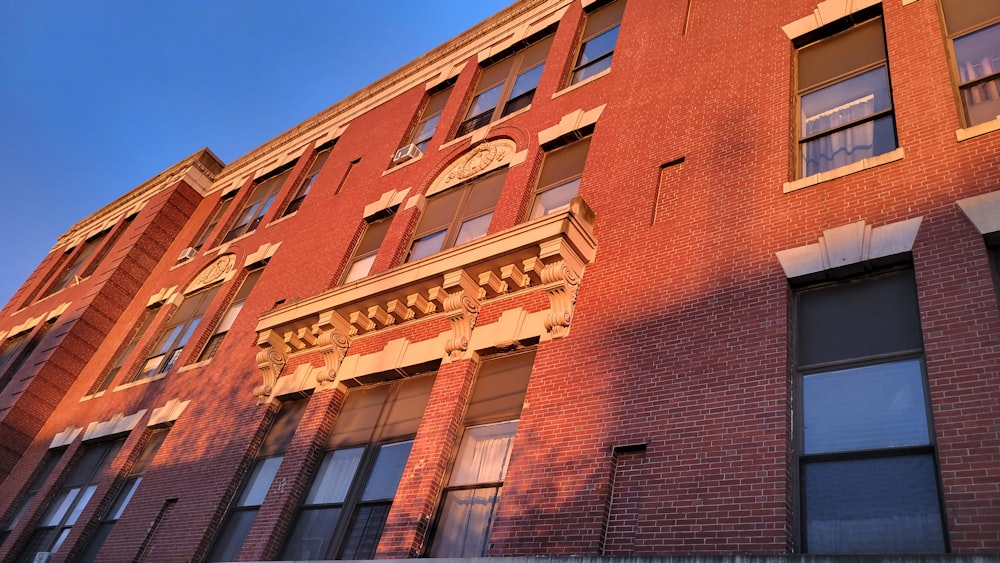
x,y
187,254
409,152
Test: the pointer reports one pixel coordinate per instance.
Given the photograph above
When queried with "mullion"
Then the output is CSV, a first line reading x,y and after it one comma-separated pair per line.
x,y
860,121
352,498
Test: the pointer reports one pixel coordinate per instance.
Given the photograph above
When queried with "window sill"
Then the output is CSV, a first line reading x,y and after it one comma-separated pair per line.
x,y
280,219
479,134
582,83
405,164
195,365
863,164
93,396
977,130
143,381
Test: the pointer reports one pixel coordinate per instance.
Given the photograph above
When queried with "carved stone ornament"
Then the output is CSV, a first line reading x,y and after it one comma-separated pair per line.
x,y
462,309
478,160
213,272
333,345
562,296
270,360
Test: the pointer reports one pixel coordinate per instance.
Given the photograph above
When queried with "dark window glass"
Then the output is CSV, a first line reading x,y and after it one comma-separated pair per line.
x,y
427,125
457,215
974,30
180,328
845,100
506,86
348,503
560,178
256,206
866,454
79,258
229,317
37,481
597,46
367,249
306,185
17,351
137,333
217,214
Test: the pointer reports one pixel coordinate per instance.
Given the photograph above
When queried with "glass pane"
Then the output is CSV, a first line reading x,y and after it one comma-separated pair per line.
x,y
604,17
484,453
230,540
229,318
408,407
841,54
123,498
60,539
387,471
978,54
440,211
473,229
374,235
171,360
498,393
526,81
464,526
518,103
564,163
360,268
485,192
864,140
591,69
982,101
358,416
167,340
963,14
96,542
59,507
555,198
598,46
334,477
310,539
879,406
283,428
81,503
426,245
260,481
366,530
426,129
845,102
885,505
486,101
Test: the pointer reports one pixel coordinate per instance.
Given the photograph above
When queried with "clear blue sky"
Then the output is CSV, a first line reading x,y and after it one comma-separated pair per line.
x,y
97,96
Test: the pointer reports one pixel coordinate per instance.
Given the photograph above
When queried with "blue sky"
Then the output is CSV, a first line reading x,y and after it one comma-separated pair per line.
x,y
97,96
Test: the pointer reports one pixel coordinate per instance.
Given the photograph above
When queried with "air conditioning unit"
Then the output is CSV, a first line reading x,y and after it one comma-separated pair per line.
x,y
42,557
187,254
409,152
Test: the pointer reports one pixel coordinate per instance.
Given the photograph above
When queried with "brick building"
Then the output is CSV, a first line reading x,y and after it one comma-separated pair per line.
x,y
591,279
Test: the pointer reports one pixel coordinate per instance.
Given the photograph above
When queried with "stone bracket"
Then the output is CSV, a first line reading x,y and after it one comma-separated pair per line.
x,y
271,359
333,344
462,309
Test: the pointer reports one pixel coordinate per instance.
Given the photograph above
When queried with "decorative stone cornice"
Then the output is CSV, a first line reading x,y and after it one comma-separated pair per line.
x,y
483,158
547,254
219,270
847,245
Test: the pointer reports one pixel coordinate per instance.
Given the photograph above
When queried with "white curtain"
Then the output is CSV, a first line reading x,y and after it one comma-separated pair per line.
x,y
843,147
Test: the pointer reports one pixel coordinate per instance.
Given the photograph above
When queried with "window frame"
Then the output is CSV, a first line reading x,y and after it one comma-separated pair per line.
x,y
443,93
561,181
357,257
506,103
842,29
217,214
320,158
79,257
587,36
259,202
139,330
960,87
177,333
232,311
802,459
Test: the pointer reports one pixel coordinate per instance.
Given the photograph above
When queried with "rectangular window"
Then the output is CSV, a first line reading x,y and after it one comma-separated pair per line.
x,y
37,481
217,214
457,216
432,114
244,510
470,500
867,467
230,316
306,185
597,45
348,503
506,86
559,180
845,99
79,257
17,351
132,481
181,326
367,249
106,246
79,487
974,31
256,206
137,333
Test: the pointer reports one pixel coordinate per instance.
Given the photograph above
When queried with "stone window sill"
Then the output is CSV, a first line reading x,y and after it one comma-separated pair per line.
x,y
582,83
143,381
863,164
977,130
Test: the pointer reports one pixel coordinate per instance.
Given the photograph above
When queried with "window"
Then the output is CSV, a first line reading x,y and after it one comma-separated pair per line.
x,y
348,503
77,260
867,468
470,499
217,214
106,247
40,475
230,316
306,185
367,249
17,350
597,45
62,513
256,206
244,511
974,30
845,101
140,329
182,325
560,178
132,481
432,114
457,216
506,86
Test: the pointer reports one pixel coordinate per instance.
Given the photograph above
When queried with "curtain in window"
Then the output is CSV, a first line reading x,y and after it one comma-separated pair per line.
x,y
843,147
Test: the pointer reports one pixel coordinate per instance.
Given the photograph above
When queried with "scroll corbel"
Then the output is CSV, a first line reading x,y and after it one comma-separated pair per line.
x,y
562,283
271,359
333,344
462,309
